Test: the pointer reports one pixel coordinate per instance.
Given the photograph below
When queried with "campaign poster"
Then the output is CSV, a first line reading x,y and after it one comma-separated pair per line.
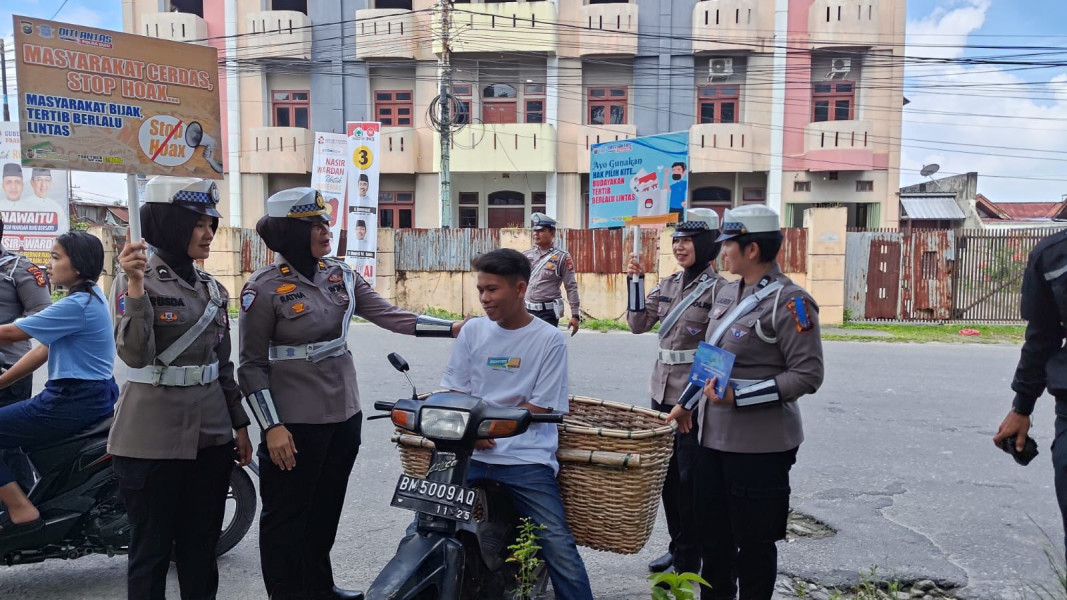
x,y
35,201
364,142
329,178
644,176
100,100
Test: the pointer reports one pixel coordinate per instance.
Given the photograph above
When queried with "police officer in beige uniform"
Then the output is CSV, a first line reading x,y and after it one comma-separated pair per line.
x,y
751,435
298,376
680,303
550,267
23,291
173,437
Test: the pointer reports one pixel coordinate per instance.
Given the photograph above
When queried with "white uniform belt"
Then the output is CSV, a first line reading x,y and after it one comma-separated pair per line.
x,y
175,376
304,352
542,305
676,357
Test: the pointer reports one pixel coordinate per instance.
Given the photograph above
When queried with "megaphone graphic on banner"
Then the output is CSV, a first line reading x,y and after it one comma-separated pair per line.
x,y
195,137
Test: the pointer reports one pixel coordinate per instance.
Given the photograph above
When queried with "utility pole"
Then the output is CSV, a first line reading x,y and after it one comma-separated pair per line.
x,y
3,78
444,97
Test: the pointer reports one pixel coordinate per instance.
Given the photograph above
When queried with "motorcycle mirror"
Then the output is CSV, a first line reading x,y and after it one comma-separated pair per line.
x,y
398,362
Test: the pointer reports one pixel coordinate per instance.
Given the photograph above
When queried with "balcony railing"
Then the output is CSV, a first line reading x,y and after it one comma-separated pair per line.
x,y
502,27
385,33
399,150
610,29
504,147
728,25
723,148
840,145
844,23
277,34
175,26
278,150
589,135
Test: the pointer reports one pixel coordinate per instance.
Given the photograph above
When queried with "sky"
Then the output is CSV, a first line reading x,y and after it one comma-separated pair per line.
x,y
1006,123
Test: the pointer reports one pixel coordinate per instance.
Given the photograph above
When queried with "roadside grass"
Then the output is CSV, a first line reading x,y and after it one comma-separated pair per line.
x,y
950,333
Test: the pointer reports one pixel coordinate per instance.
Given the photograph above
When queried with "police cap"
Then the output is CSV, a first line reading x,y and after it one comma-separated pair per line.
x,y
754,218
302,203
192,193
698,220
539,221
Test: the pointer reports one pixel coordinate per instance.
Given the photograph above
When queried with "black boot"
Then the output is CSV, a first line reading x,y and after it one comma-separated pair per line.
x,y
339,594
661,564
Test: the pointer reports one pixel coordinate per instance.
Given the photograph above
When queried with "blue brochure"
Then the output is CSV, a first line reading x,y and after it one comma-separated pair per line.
x,y
712,361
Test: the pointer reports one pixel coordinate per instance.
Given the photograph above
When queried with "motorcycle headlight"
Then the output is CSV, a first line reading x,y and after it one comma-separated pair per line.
x,y
443,423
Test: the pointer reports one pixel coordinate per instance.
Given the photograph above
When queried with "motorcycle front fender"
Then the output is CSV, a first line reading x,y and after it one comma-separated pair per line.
x,y
421,562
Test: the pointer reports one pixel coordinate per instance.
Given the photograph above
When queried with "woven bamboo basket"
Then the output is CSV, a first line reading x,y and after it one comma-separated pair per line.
x,y
612,462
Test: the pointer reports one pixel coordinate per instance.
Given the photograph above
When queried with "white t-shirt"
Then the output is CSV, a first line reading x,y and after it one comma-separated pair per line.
x,y
507,368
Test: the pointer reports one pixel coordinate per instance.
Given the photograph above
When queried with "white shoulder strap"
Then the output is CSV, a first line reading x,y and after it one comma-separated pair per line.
x,y
214,304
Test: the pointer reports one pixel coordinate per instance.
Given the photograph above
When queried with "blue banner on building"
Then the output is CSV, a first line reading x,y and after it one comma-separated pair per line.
x,y
642,176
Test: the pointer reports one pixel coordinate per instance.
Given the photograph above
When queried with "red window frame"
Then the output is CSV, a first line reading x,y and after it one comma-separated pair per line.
x,y
387,108
395,204
754,195
712,99
607,99
533,102
833,101
291,103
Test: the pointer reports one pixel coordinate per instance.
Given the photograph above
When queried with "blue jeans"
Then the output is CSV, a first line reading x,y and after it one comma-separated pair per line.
x,y
535,494
65,407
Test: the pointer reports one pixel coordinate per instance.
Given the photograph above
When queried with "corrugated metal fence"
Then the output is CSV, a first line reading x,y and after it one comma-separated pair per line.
x,y
971,275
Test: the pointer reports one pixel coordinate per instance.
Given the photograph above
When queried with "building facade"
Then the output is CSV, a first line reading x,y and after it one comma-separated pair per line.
x,y
792,103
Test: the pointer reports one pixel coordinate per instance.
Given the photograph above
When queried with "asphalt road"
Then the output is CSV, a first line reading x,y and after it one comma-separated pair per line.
x,y
898,459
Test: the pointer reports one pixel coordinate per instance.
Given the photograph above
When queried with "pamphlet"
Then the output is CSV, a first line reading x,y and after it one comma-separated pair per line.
x,y
709,362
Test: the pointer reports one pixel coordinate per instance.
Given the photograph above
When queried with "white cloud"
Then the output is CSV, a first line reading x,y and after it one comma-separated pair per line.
x,y
995,120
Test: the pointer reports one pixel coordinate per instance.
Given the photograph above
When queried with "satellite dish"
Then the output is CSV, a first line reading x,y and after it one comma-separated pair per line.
x,y
930,169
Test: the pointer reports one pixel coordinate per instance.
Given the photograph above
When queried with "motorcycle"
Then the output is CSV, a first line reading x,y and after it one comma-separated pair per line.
x,y
459,548
74,487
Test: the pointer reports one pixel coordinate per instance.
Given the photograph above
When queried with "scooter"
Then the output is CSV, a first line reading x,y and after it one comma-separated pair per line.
x,y
74,487
460,546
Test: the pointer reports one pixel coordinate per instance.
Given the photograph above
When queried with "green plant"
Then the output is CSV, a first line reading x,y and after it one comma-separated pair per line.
x,y
58,295
1058,589
441,313
679,585
524,553
847,316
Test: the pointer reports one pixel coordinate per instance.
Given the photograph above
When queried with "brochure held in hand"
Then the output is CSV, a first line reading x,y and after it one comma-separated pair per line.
x,y
709,362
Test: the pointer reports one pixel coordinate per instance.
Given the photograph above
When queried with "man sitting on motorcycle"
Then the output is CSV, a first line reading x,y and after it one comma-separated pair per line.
x,y
511,359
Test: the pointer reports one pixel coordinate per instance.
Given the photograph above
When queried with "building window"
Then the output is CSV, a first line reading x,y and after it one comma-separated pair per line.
x,y
394,108
719,103
717,199
537,202
754,195
193,7
833,102
499,103
506,209
801,186
864,186
291,108
607,106
401,4
300,6
468,209
396,210
534,98
464,92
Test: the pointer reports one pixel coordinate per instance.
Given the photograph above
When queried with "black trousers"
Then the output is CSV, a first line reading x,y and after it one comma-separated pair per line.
x,y
745,500
16,392
175,508
1059,464
679,497
301,508
548,316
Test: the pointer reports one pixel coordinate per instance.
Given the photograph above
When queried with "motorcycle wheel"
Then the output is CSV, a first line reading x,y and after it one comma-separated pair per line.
x,y
240,511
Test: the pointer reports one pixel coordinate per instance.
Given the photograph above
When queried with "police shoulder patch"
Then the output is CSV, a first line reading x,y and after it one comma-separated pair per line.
x,y
801,309
248,296
38,275
334,278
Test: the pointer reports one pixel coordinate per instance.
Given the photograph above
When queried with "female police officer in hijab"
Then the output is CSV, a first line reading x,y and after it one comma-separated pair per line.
x,y
173,437
750,435
680,303
299,378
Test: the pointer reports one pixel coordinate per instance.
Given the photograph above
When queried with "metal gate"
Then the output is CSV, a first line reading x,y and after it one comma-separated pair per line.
x,y
883,279
989,272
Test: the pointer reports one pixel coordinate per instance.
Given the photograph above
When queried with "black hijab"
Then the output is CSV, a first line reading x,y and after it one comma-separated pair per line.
x,y
706,250
169,228
292,239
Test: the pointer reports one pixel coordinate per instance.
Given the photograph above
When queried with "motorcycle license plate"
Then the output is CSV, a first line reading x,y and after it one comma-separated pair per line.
x,y
443,500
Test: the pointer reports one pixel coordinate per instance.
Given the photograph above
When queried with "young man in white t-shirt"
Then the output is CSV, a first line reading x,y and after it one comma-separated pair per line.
x,y
511,359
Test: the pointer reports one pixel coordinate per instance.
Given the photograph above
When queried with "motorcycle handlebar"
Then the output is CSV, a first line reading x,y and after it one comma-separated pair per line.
x,y
546,417
383,406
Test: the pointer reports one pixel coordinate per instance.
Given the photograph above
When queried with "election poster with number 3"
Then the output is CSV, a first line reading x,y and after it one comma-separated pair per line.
x,y
364,139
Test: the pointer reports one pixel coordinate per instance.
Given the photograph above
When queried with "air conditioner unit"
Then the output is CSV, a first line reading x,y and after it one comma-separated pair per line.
x,y
840,67
720,68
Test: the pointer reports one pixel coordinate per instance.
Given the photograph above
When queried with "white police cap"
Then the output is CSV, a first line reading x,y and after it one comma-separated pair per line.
x,y
539,221
754,218
697,220
303,203
193,193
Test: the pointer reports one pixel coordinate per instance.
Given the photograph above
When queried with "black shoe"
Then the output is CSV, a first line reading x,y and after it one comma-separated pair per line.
x,y
661,564
338,594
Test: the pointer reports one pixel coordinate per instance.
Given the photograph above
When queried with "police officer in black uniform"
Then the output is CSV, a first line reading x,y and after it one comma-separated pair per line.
x,y
23,291
1043,364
